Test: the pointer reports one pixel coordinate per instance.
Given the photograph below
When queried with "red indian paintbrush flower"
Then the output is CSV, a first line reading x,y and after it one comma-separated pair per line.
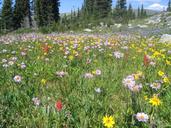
x,y
59,105
45,48
146,60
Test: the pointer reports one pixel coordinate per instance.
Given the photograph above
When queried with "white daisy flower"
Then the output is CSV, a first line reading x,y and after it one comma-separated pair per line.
x,y
10,63
88,75
36,101
136,88
61,73
98,72
23,53
4,60
14,58
5,65
118,54
142,117
129,82
23,65
155,86
98,90
152,63
17,79
13,52
4,51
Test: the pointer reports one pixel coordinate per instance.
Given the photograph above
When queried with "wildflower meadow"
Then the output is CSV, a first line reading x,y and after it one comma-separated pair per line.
x,y
84,81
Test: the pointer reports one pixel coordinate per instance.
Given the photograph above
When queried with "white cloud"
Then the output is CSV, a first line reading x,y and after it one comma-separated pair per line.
x,y
145,1
156,6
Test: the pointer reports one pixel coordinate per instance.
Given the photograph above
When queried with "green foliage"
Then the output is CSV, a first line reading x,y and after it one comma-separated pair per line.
x,y
21,11
130,13
18,14
102,8
141,12
96,9
47,12
120,13
1,23
7,14
24,30
169,6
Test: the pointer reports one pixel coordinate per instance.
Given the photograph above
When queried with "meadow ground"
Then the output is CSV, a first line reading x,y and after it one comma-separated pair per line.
x,y
84,81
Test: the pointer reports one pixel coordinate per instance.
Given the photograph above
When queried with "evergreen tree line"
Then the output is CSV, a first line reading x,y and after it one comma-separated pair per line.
x,y
169,6
102,9
46,12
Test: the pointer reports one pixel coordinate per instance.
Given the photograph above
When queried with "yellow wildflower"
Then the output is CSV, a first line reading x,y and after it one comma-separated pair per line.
x,y
155,101
166,80
94,72
43,81
71,57
160,73
108,121
138,75
156,53
61,49
168,62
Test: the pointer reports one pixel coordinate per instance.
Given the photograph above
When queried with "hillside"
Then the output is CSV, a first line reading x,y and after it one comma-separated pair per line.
x,y
157,24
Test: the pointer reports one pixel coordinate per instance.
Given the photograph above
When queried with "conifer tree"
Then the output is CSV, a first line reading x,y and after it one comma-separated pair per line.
x,y
121,11
18,14
169,6
21,11
139,13
103,8
78,13
142,11
27,11
89,5
7,14
0,20
130,13
47,12
96,8
54,10
145,14
38,11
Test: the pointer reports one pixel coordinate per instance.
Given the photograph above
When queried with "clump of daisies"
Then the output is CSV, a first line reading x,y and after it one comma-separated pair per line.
x,y
88,75
36,101
131,82
61,73
118,54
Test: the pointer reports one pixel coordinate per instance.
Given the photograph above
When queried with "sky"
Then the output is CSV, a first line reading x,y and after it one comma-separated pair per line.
x,y
68,5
